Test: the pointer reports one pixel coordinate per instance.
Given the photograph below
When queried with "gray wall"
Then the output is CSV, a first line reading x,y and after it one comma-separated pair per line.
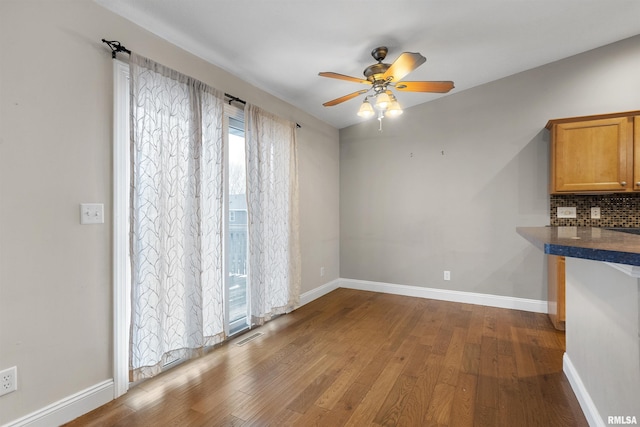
x,y
444,186
56,106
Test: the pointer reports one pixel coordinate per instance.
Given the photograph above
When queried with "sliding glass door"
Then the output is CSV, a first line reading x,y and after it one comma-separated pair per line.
x,y
236,226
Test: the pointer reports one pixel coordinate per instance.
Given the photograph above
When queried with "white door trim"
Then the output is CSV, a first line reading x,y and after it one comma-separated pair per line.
x,y
121,305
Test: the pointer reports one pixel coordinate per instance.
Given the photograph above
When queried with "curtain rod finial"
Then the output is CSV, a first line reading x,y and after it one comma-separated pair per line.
x,y
116,47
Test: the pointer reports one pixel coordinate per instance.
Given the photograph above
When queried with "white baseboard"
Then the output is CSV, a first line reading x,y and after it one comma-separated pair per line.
x,y
536,306
68,408
584,399
316,293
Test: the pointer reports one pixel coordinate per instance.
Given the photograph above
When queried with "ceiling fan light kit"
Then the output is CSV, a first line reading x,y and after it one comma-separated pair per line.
x,y
366,110
382,101
394,109
382,78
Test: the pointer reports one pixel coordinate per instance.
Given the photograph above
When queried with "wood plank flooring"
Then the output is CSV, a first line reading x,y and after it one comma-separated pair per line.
x,y
354,358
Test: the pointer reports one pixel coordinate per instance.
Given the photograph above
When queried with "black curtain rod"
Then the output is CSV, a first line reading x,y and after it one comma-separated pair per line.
x,y
241,101
236,99
116,47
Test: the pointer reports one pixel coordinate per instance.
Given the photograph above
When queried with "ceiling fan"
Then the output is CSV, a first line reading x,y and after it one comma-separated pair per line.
x,y
382,78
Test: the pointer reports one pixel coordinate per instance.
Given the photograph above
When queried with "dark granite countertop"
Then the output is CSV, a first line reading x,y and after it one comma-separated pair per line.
x,y
598,244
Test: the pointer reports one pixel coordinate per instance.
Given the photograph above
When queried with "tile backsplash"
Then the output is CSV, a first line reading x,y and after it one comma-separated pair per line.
x,y
616,210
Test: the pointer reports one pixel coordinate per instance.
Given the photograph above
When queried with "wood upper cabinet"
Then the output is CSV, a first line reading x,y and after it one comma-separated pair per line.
x,y
595,153
636,153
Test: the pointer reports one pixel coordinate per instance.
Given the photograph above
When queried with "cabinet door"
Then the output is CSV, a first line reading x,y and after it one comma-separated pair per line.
x,y
636,153
556,290
593,155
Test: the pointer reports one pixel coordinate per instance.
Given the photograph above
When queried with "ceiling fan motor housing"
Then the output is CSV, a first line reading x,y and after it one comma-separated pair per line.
x,y
374,72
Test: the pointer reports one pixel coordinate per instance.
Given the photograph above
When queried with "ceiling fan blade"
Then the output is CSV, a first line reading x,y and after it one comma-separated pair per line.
x,y
438,87
344,98
406,63
343,77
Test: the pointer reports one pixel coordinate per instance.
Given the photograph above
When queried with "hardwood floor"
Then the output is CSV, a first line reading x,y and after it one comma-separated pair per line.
x,y
359,358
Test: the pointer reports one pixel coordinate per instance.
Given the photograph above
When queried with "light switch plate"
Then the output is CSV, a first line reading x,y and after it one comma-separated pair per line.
x,y
566,212
91,213
595,213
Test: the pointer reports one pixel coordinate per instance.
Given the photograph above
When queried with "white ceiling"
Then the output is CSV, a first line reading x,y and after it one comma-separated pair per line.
x,y
281,45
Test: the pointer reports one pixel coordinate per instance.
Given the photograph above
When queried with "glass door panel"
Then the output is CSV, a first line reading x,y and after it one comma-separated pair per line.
x,y
237,230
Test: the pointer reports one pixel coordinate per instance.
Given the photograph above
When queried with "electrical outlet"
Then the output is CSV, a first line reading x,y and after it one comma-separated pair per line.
x,y
8,380
595,213
566,212
321,271
447,275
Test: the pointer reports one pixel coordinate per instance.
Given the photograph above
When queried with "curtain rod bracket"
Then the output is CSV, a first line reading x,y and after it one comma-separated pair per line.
x,y
116,47
234,98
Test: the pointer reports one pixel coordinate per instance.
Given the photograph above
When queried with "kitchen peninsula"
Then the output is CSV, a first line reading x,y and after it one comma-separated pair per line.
x,y
602,357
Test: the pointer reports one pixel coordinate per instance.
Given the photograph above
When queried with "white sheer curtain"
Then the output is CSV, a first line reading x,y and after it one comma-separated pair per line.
x,y
176,216
272,198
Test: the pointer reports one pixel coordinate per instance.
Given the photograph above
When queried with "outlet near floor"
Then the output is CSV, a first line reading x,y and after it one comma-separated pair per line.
x,y
8,380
